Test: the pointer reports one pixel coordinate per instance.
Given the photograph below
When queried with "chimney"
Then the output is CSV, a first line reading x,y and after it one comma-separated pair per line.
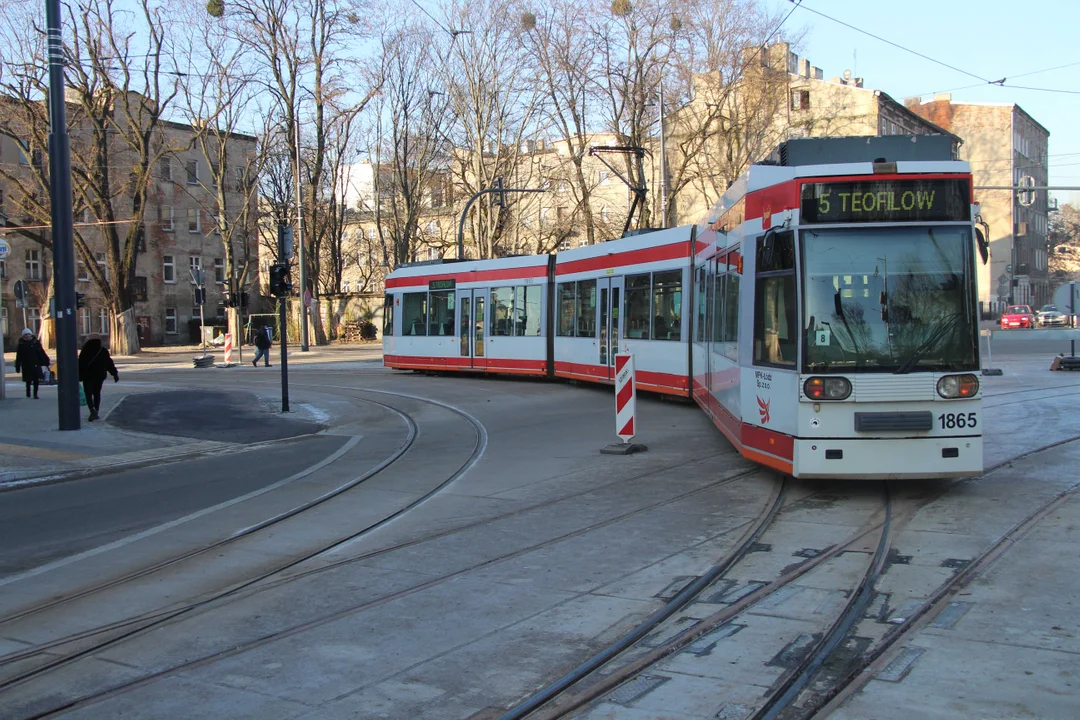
x,y
943,97
816,73
804,68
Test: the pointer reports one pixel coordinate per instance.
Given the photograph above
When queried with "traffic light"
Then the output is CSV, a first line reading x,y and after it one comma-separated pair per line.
x,y
279,280
80,300
243,299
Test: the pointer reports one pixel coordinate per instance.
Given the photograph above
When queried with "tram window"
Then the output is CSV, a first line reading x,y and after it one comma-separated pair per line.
x,y
414,313
731,316
781,254
719,286
702,296
637,318
774,320
441,317
530,311
502,311
388,316
667,305
567,292
586,308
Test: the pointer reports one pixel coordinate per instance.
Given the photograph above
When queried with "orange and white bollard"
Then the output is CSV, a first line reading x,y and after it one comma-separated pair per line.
x,y
228,352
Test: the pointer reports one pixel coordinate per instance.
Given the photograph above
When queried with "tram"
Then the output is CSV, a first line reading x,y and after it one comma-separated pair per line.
x,y
824,314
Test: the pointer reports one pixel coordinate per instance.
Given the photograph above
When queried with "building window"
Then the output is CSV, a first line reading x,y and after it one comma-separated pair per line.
x,y
33,266
84,320
800,99
214,175
103,265
219,271
168,269
165,168
195,266
345,287
33,320
84,274
371,233
241,179
774,302
103,321
602,177
3,269
140,239
165,217
192,172
170,321
139,288
193,220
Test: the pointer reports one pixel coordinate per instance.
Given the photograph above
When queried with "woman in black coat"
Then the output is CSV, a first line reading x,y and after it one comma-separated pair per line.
x,y
29,357
94,364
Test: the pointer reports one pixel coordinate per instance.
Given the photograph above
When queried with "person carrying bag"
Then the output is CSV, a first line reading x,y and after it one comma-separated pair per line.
x,y
29,359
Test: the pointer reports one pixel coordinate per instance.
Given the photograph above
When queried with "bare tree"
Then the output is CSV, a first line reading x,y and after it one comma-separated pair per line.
x,y
119,93
409,141
494,106
220,99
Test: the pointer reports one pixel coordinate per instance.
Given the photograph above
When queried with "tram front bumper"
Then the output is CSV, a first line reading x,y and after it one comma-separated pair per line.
x,y
889,458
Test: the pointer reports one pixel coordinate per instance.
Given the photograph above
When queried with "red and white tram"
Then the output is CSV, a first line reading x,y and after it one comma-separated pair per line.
x,y
836,314
480,316
824,316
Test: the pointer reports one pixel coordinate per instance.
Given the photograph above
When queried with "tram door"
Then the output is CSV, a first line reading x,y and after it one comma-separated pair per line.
x,y
609,316
470,317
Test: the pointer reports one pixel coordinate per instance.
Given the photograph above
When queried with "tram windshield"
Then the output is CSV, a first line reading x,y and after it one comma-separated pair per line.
x,y
888,300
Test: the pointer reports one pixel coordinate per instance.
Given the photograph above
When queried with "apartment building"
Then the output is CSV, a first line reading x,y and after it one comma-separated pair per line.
x,y
1005,147
179,233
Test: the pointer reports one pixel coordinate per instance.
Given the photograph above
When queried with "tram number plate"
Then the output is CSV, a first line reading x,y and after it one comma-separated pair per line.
x,y
951,421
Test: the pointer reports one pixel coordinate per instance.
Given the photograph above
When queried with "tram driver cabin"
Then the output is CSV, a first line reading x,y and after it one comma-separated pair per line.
x,y
823,315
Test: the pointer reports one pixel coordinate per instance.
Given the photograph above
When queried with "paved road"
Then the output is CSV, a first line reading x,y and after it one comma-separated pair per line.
x,y
38,525
230,416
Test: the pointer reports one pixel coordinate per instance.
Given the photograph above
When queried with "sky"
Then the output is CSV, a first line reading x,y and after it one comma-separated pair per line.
x,y
982,41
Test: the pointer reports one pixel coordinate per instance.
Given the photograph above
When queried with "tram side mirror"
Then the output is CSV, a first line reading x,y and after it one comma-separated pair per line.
x,y
884,315
883,299
768,249
838,308
984,246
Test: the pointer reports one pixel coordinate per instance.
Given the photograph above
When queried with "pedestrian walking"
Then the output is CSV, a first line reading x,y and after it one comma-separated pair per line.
x,y
263,342
94,364
29,359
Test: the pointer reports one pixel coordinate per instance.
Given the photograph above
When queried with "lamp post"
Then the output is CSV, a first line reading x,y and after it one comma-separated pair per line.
x,y
67,360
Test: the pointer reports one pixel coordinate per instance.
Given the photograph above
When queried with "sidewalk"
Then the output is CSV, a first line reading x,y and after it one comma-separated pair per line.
x,y
33,450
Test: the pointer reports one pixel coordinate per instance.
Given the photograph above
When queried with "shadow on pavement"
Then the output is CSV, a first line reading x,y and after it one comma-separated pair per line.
x,y
238,417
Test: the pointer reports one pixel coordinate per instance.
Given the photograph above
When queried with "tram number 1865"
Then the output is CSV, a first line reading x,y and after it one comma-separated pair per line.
x,y
950,421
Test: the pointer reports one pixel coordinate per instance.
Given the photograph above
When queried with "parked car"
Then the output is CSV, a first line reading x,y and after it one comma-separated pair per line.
x,y
1050,316
1017,316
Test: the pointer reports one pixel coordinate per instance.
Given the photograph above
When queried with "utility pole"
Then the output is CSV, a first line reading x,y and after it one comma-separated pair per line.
x,y
300,241
67,356
663,163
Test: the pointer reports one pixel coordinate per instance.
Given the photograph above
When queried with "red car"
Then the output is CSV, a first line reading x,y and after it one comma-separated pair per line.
x,y
1017,316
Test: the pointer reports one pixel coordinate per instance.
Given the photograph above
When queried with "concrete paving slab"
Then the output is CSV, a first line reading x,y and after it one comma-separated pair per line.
x,y
191,700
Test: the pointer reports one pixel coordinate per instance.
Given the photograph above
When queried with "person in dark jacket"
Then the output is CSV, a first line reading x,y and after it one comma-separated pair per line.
x,y
262,346
94,364
29,357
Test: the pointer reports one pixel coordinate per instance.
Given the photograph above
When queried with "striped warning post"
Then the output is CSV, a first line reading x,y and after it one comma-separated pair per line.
x,y
625,396
228,348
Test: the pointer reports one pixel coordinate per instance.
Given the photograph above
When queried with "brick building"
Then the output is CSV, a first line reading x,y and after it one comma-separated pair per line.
x,y
1004,145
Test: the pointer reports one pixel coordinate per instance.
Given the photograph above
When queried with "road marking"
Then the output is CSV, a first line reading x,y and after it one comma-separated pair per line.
x,y
63,562
41,453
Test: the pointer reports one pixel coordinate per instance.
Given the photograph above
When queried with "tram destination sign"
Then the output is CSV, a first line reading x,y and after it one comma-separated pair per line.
x,y
885,201
446,284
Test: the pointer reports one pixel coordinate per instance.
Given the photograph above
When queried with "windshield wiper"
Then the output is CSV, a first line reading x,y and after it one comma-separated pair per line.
x,y
928,344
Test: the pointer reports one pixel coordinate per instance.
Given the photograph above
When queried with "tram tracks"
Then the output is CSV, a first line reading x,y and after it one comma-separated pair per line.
x,y
132,627
349,610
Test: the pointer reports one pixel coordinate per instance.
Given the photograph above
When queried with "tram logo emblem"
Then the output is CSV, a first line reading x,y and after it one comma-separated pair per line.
x,y
766,216
763,409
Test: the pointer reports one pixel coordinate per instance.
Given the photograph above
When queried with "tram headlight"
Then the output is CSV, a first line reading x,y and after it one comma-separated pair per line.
x,y
957,386
827,388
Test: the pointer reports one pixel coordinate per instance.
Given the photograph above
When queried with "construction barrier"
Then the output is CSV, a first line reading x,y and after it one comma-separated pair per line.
x,y
625,397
